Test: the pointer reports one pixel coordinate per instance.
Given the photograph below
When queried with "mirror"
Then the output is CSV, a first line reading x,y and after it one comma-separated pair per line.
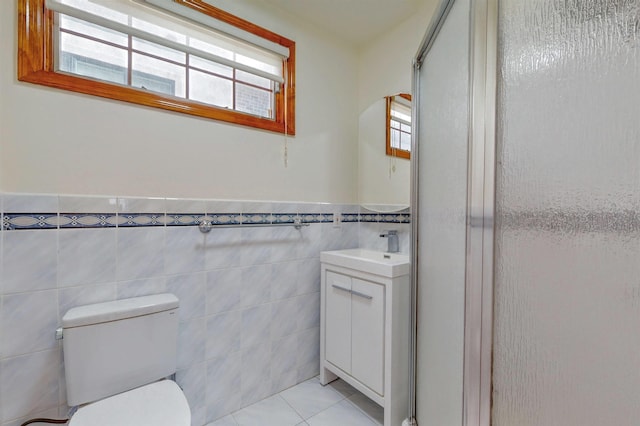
x,y
384,178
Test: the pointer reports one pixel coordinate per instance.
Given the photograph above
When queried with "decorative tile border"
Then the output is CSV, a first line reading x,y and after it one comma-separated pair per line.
x,y
15,221
180,219
129,220
87,220
316,217
32,219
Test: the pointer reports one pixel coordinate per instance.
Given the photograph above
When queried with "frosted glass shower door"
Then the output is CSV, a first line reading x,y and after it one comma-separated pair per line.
x,y
567,278
442,87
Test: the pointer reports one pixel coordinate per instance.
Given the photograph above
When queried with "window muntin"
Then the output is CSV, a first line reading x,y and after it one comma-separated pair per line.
x,y
199,86
399,125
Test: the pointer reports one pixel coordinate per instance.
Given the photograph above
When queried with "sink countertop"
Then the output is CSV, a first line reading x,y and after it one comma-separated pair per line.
x,y
389,265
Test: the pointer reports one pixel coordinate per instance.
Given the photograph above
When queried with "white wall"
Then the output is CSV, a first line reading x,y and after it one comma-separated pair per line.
x,y
384,68
59,142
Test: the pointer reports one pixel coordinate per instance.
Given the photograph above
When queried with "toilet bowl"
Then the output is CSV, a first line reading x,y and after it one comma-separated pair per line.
x,y
117,357
159,404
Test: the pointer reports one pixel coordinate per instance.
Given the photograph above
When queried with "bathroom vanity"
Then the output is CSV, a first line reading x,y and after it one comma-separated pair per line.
x,y
364,326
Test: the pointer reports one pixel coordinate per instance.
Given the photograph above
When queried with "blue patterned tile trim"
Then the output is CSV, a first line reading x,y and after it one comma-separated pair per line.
x,y
256,218
88,220
15,221
369,218
140,219
350,217
284,217
224,218
390,218
316,217
182,219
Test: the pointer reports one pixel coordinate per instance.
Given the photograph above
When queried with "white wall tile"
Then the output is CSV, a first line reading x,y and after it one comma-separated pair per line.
x,y
85,295
308,315
224,290
223,378
184,250
284,319
256,246
255,326
140,253
86,256
29,260
192,382
256,374
223,248
84,204
191,342
223,334
284,354
308,354
224,406
182,205
28,322
142,287
190,290
256,285
308,276
29,384
283,280
29,203
141,205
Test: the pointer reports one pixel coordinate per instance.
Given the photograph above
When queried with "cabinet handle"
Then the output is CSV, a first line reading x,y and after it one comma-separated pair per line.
x,y
341,288
357,293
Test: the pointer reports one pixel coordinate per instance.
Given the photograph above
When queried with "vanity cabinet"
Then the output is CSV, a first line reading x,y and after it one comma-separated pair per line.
x,y
354,335
364,329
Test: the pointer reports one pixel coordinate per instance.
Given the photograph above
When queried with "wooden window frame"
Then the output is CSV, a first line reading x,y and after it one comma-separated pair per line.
x,y
36,65
395,152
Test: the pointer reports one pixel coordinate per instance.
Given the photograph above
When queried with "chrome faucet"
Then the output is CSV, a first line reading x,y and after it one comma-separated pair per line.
x,y
393,244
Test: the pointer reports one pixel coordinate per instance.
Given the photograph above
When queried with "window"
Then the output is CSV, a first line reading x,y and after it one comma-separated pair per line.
x,y
185,56
399,125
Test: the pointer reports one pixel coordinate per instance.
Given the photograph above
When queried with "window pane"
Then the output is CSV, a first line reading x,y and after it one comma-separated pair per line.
x,y
253,101
95,31
405,141
210,89
157,50
395,138
92,59
158,76
213,67
253,79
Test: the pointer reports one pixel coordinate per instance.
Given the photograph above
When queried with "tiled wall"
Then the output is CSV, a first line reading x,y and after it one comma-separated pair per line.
x,y
249,316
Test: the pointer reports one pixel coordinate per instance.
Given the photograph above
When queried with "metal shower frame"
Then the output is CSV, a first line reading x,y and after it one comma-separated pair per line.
x,y
478,321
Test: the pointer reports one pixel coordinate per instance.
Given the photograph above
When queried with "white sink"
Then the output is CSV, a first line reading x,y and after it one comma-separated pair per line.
x,y
389,265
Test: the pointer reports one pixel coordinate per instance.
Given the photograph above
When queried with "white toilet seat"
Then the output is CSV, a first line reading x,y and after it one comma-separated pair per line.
x,y
157,404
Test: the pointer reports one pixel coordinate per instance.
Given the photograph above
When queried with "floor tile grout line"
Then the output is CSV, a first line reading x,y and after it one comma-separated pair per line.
x,y
361,410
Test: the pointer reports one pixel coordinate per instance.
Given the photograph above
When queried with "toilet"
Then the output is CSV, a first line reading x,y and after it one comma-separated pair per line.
x,y
117,357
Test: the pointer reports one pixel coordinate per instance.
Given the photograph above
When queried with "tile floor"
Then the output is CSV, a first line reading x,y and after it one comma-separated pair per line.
x,y
309,404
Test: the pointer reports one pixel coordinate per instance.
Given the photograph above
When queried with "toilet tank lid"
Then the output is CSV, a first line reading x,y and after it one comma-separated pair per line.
x,y
119,309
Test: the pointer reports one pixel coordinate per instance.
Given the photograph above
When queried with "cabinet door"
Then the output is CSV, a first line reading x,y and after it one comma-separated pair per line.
x,y
367,340
338,320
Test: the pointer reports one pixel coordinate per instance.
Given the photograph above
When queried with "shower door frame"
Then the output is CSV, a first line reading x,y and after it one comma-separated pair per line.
x,y
479,263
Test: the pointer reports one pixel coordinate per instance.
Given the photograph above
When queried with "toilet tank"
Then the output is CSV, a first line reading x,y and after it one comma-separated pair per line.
x,y
113,347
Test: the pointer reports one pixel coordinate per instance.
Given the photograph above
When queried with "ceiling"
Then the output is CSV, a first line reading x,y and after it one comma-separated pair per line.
x,y
356,21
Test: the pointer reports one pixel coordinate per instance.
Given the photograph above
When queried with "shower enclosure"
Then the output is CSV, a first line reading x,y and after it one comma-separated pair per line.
x,y
526,207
